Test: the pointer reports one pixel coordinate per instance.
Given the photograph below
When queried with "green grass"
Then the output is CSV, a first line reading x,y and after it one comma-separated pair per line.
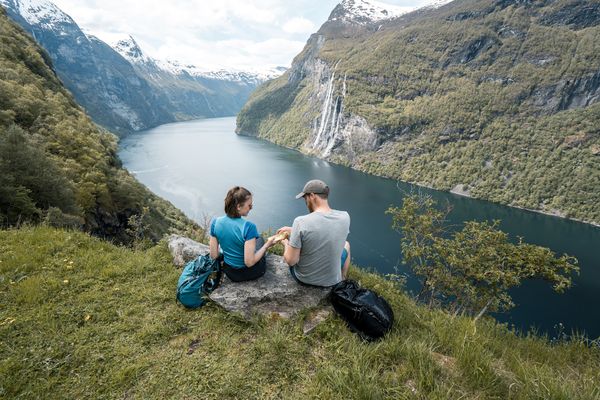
x,y
81,318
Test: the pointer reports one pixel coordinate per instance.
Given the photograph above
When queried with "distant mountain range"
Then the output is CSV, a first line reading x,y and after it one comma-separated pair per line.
x,y
493,99
120,87
190,91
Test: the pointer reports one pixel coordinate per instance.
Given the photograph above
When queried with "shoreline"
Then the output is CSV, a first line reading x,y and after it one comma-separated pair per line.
x,y
461,193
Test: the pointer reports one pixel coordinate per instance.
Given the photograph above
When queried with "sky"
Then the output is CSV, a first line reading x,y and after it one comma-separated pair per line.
x,y
211,34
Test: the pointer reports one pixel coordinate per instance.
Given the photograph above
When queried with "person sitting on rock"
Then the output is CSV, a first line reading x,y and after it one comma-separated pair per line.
x,y
243,248
317,241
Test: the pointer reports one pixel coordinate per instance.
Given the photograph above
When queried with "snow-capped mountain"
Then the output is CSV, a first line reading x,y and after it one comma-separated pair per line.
x,y
364,12
192,91
131,51
234,75
39,12
101,81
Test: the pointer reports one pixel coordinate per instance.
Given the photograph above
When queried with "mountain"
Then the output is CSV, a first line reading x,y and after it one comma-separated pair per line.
x,y
56,165
104,83
191,92
121,88
494,99
367,12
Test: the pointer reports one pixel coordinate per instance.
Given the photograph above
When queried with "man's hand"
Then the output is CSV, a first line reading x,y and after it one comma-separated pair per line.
x,y
287,229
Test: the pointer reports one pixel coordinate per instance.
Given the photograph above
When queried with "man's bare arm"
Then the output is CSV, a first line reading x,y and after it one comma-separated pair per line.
x,y
291,255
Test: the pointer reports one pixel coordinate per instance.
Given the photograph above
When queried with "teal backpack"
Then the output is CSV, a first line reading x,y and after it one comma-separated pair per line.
x,y
199,277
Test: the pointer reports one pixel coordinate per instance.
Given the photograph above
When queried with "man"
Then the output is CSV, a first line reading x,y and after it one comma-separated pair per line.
x,y
317,251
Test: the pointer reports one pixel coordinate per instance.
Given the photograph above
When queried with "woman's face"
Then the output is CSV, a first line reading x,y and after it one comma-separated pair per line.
x,y
245,207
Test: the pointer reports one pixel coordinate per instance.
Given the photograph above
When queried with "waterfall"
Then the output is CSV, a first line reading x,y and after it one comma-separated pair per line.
x,y
325,109
328,127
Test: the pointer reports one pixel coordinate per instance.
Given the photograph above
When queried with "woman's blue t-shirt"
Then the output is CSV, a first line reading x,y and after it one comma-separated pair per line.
x,y
232,234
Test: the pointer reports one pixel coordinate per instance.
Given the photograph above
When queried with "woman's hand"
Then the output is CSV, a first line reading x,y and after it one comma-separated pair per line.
x,y
270,242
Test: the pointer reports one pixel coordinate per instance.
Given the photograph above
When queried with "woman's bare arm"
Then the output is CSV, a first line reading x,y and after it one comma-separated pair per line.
x,y
251,255
214,247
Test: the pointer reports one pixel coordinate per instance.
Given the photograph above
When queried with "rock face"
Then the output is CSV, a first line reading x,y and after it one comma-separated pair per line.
x,y
334,131
276,293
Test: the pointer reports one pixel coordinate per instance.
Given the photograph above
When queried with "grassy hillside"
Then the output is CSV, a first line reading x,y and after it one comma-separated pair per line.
x,y
496,98
56,165
81,318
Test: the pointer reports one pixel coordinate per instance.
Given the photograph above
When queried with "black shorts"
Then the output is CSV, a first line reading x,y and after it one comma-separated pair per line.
x,y
247,273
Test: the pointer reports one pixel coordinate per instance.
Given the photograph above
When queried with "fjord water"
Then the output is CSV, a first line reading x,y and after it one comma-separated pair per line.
x,y
193,164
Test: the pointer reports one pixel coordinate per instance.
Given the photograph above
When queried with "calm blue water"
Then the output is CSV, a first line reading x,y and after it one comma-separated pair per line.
x,y
193,164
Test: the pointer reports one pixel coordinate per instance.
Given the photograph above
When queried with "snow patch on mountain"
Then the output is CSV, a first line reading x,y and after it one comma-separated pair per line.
x,y
363,11
249,76
131,51
38,12
368,11
437,4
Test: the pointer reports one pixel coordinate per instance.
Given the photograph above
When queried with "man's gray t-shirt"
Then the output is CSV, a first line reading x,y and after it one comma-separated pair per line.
x,y
320,238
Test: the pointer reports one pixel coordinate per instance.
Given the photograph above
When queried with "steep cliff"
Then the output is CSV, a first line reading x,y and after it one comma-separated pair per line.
x,y
496,99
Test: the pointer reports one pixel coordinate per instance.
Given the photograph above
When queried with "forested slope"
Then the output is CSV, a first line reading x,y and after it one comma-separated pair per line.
x,y
56,165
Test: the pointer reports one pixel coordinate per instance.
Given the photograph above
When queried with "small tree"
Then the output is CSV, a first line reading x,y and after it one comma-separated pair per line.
x,y
137,229
471,270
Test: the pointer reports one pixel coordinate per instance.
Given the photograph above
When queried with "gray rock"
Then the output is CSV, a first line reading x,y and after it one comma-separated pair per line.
x,y
275,293
184,249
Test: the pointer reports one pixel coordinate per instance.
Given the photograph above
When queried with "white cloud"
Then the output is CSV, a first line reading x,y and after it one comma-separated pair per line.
x,y
299,25
237,53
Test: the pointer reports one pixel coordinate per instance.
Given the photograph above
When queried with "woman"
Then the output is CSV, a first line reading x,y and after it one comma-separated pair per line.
x,y
243,248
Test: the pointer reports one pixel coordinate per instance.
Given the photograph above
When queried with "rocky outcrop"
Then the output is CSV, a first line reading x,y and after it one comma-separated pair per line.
x,y
472,50
568,94
576,14
184,249
275,293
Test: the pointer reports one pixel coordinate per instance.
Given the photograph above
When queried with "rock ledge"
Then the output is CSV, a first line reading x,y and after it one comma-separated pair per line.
x,y
276,293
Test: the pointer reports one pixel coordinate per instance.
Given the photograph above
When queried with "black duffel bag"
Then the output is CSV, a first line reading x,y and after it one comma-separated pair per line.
x,y
365,312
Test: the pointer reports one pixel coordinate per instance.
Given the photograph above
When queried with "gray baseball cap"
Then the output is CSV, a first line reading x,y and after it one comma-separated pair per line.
x,y
315,186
